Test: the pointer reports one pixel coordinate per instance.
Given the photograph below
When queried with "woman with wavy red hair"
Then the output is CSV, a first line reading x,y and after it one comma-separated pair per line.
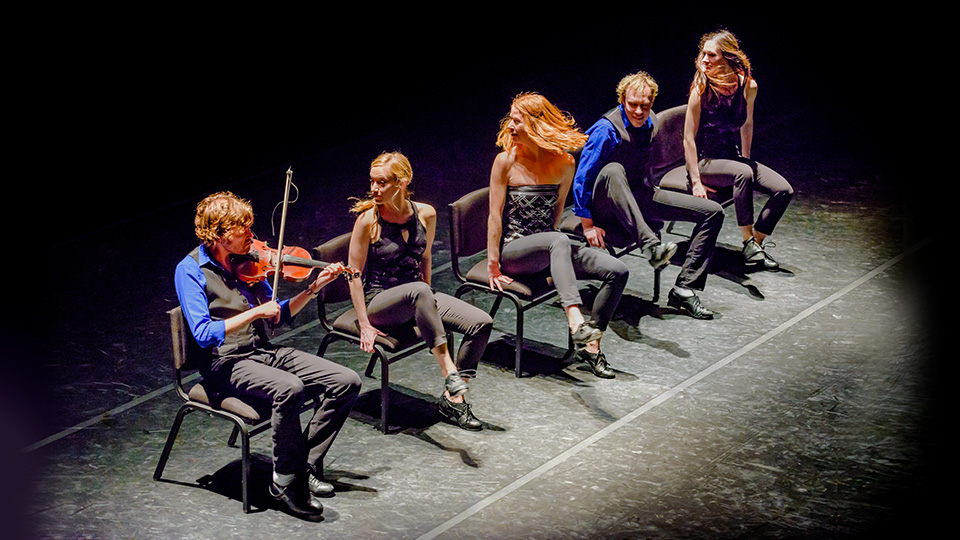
x,y
529,183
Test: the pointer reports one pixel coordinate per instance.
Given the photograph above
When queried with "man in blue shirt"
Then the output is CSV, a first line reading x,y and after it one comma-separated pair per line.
x,y
613,193
228,319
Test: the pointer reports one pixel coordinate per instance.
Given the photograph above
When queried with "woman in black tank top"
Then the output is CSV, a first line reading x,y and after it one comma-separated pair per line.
x,y
718,139
391,242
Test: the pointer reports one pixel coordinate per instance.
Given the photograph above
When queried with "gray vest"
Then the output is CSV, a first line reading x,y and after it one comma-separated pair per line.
x,y
631,153
225,300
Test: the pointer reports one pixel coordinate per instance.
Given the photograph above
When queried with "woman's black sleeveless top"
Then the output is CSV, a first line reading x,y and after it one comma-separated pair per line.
x,y
718,135
393,261
528,210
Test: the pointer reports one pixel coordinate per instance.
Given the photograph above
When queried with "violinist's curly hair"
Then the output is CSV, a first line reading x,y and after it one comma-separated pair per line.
x,y
220,214
547,125
399,166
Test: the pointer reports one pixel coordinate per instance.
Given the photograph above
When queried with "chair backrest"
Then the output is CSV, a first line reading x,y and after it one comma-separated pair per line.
x,y
666,148
179,335
187,355
333,251
468,227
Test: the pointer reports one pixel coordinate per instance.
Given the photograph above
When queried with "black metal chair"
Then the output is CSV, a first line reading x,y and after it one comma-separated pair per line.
x,y
468,237
398,343
248,418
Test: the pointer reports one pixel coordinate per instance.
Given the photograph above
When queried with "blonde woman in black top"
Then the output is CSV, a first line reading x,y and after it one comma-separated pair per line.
x,y
392,241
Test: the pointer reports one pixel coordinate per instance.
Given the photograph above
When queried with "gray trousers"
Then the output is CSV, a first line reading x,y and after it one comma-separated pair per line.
x,y
567,263
286,378
619,210
747,176
434,313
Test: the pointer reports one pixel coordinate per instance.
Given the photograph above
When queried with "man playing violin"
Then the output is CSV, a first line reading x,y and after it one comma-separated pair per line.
x,y
228,319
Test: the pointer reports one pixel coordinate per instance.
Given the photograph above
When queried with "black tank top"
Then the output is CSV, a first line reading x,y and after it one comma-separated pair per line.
x,y
528,210
393,261
718,135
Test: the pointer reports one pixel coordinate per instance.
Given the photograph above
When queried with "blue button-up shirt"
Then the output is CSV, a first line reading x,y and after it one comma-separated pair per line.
x,y
603,140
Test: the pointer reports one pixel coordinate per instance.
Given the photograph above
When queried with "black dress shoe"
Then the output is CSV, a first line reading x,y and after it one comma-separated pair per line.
x,y
597,363
460,414
756,256
298,500
316,484
688,304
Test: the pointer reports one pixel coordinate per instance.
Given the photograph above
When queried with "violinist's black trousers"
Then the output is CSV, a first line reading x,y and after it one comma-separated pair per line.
x,y
287,378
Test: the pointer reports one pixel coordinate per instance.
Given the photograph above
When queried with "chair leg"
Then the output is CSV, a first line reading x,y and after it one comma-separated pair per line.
x,y
245,467
370,364
324,343
384,395
174,430
233,436
518,352
656,284
496,306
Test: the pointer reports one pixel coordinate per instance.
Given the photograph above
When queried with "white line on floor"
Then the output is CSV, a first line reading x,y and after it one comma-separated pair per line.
x,y
660,399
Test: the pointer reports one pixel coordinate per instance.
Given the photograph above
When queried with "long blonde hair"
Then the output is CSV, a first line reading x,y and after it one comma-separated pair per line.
x,y
549,127
730,50
399,166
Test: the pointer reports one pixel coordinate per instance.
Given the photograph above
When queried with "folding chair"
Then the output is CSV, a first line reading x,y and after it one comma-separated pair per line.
x,y
247,419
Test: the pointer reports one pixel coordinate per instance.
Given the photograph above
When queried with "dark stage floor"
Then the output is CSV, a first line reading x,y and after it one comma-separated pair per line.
x,y
807,409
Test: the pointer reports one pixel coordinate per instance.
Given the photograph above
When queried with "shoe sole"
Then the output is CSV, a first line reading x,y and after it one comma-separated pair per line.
x,y
457,422
684,309
586,367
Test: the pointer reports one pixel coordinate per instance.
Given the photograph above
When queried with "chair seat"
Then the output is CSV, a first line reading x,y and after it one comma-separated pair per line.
x,y
531,286
230,404
397,338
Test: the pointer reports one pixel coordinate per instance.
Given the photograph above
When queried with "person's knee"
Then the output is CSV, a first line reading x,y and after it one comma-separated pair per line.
x,y
559,243
786,194
289,389
482,327
420,292
619,273
349,382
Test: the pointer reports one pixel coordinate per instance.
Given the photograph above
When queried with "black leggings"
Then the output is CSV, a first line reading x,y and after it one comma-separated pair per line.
x,y
567,263
746,176
434,313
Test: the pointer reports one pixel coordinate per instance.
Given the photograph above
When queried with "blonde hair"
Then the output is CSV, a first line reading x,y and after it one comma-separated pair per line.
x,y
549,127
220,214
399,167
636,81
730,50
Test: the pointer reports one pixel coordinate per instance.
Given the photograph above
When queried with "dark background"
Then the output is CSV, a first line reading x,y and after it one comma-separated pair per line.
x,y
118,116
147,112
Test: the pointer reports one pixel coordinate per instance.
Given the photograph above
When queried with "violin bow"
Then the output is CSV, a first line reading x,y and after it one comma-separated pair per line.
x,y
283,225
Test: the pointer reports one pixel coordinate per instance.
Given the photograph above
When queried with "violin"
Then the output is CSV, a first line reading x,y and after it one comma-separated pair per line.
x,y
261,262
